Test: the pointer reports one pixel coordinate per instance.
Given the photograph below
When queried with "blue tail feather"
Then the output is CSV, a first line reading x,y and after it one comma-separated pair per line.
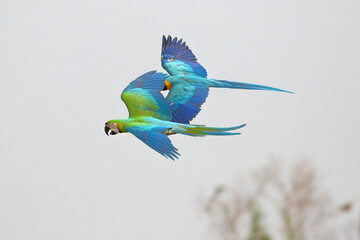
x,y
250,86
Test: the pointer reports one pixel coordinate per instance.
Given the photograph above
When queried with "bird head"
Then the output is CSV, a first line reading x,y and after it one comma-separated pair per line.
x,y
112,127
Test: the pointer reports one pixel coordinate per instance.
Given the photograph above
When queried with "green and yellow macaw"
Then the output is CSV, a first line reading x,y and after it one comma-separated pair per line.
x,y
150,116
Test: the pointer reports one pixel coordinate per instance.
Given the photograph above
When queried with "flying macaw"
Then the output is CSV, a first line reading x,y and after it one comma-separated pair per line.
x,y
188,82
150,115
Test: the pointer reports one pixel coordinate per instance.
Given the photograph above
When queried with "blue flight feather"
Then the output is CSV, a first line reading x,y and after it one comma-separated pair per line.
x,y
186,101
150,80
177,58
154,137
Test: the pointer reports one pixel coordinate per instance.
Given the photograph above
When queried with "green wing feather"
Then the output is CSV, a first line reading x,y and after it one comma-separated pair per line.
x,y
143,98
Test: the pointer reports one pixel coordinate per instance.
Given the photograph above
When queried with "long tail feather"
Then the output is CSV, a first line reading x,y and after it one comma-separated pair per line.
x,y
240,85
199,130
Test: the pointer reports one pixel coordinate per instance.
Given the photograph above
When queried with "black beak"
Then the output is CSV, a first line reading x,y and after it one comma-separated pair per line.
x,y
107,130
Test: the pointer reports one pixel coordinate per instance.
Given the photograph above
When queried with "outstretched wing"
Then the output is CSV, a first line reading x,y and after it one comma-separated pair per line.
x,y
178,59
185,100
154,137
143,98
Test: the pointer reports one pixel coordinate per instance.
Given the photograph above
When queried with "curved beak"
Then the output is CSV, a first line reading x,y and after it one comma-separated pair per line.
x,y
107,130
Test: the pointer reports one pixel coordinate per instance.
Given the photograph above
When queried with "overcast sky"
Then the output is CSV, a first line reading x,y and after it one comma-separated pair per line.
x,y
63,65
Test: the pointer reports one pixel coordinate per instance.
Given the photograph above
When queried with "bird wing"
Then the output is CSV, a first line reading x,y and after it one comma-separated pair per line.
x,y
178,59
143,98
154,137
185,100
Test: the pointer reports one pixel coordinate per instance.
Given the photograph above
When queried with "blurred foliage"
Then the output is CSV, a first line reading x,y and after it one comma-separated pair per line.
x,y
257,230
302,211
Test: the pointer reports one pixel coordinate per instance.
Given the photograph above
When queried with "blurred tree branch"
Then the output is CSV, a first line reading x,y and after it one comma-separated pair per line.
x,y
303,210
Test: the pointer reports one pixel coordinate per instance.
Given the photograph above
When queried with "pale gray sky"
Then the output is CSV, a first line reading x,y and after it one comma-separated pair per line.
x,y
63,65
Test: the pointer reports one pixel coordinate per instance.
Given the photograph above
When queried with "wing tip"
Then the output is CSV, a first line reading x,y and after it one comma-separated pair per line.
x,y
174,48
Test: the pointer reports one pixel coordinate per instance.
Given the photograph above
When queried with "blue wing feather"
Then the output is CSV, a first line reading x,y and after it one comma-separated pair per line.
x,y
154,137
178,59
185,101
150,80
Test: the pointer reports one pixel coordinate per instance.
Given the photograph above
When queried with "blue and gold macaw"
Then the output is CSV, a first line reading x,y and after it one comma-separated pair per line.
x,y
150,116
188,82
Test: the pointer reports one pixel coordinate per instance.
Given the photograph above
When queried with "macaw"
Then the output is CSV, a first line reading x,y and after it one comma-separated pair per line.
x,y
188,82
150,116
